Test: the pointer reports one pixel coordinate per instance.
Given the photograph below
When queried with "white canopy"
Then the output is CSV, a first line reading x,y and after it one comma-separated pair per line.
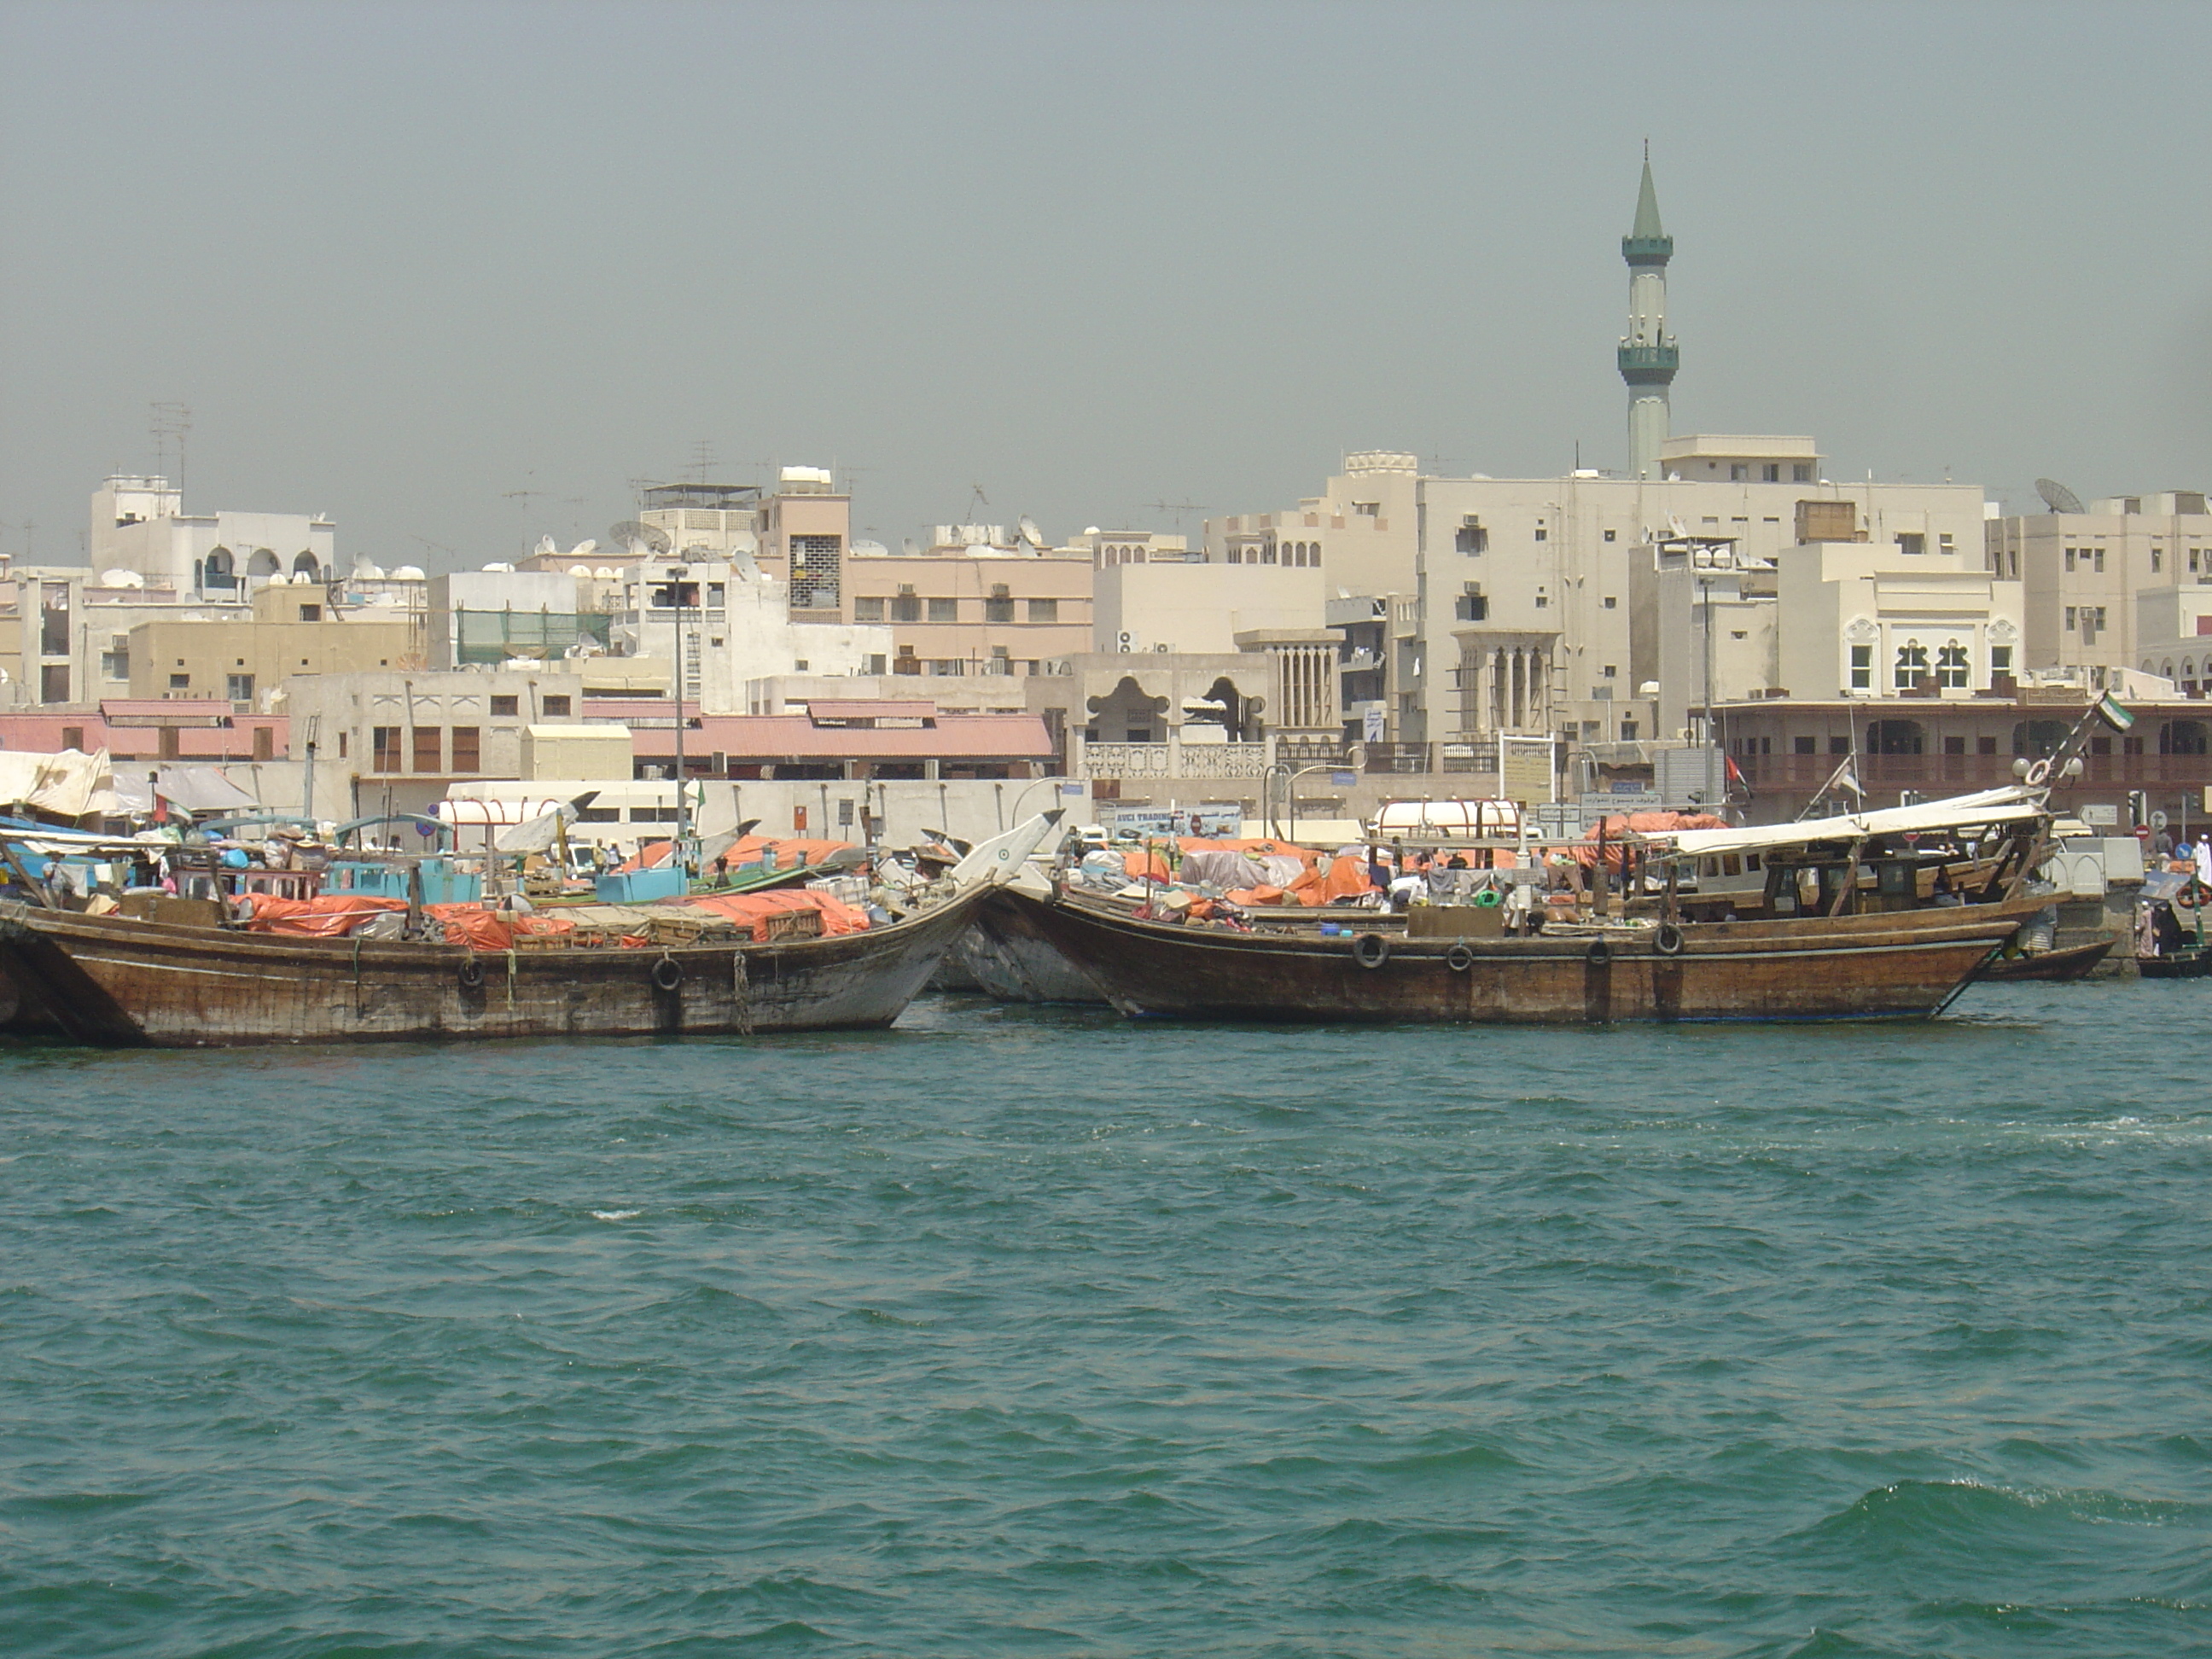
x,y
2010,805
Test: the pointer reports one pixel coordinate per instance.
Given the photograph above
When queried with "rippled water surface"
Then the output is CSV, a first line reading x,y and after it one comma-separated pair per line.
x,y
1026,1332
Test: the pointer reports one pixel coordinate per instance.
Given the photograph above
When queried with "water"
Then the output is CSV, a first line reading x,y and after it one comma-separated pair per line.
x,y
1025,1331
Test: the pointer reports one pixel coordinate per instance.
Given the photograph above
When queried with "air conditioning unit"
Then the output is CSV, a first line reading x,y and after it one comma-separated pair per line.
x,y
1128,641
1163,646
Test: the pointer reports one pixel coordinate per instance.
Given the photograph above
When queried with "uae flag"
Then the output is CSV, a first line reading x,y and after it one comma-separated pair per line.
x,y
2110,712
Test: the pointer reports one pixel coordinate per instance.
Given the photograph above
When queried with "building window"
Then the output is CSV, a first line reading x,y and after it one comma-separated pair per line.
x,y
1911,664
1945,544
868,610
999,607
2100,616
1610,535
1044,610
2100,556
240,688
2069,619
1739,472
1612,602
1628,731
944,611
2000,660
1910,542
1543,534
1951,667
311,613
178,682
1802,745
384,740
1472,607
2070,561
815,573
1612,670
429,748
1471,537
1802,472
1772,473
1542,600
115,661
557,706
343,745
2157,561
906,608
510,706
468,753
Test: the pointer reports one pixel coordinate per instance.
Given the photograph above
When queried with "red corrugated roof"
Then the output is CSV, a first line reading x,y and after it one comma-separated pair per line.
x,y
772,736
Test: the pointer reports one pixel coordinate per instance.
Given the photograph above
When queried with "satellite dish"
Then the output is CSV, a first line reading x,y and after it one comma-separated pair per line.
x,y
911,551
2058,498
1030,533
629,532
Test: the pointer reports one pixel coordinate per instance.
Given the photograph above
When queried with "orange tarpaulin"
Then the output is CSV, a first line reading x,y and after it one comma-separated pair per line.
x,y
1143,866
481,929
753,909
331,916
791,852
1642,824
1288,849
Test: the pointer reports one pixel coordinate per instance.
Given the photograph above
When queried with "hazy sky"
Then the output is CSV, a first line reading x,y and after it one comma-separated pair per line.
x,y
404,260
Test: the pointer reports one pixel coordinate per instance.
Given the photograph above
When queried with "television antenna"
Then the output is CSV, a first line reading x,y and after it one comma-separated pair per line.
x,y
2058,498
1178,508
170,421
702,469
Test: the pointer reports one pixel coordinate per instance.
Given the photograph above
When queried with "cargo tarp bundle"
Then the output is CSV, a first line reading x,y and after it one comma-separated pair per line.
x,y
481,929
752,910
333,916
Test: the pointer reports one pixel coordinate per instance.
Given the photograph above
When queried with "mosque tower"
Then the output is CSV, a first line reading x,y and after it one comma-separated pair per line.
x,y
1647,356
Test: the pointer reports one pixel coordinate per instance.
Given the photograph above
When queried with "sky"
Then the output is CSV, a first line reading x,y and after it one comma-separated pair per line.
x,y
460,275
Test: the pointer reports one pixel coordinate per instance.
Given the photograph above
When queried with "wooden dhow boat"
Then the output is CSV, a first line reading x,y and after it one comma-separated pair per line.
x,y
1878,915
117,982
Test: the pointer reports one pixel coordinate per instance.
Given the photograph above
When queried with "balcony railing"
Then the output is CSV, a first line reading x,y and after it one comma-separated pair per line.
x,y
1956,774
1176,760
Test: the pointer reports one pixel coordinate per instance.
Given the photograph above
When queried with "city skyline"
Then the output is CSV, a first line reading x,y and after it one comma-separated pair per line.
x,y
456,278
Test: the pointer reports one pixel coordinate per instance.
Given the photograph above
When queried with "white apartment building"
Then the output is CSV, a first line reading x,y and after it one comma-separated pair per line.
x,y
139,525
729,625
2105,588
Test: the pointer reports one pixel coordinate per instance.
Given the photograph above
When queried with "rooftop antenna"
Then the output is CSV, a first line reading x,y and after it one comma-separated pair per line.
x,y
702,461
2058,498
170,421
1178,508
1028,531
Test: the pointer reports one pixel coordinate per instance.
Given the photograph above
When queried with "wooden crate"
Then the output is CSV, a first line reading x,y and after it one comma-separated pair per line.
x,y
793,924
691,930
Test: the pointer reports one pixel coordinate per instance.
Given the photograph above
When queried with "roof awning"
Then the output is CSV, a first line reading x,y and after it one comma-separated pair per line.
x,y
1990,807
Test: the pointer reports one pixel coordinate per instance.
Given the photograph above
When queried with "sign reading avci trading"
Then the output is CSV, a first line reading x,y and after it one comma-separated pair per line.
x,y
1208,820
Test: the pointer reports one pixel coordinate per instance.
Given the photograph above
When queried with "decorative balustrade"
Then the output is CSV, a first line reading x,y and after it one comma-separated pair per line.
x,y
1174,760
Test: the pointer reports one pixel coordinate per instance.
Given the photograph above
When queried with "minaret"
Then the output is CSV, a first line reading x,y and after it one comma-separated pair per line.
x,y
1648,358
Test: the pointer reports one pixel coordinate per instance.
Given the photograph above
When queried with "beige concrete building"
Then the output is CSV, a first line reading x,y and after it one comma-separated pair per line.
x,y
1199,607
976,608
292,631
2087,577
395,741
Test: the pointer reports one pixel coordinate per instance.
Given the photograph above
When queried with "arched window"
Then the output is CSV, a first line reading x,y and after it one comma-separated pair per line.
x,y
1951,666
305,566
2183,737
1894,737
219,571
1911,664
264,563
2167,671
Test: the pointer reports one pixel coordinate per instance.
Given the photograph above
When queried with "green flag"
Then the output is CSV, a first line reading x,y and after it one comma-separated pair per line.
x,y
2110,712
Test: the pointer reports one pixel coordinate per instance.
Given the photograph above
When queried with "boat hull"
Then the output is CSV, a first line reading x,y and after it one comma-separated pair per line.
x,y
2192,963
1903,964
1010,960
109,981
2076,962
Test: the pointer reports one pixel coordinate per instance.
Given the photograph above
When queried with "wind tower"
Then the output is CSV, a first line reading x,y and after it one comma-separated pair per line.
x,y
1647,356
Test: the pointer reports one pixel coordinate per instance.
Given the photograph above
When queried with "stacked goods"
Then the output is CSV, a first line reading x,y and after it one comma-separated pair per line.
x,y
333,916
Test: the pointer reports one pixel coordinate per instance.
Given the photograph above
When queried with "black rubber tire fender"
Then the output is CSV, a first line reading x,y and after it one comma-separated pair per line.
x,y
1600,954
667,974
1370,950
471,974
1668,939
1459,958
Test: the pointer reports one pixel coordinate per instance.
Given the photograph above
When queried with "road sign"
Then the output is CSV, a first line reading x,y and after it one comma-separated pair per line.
x,y
2158,819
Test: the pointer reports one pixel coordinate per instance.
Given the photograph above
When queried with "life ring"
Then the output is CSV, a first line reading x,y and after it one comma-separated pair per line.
x,y
1668,939
1370,950
1459,958
1600,954
667,973
471,974
2039,774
